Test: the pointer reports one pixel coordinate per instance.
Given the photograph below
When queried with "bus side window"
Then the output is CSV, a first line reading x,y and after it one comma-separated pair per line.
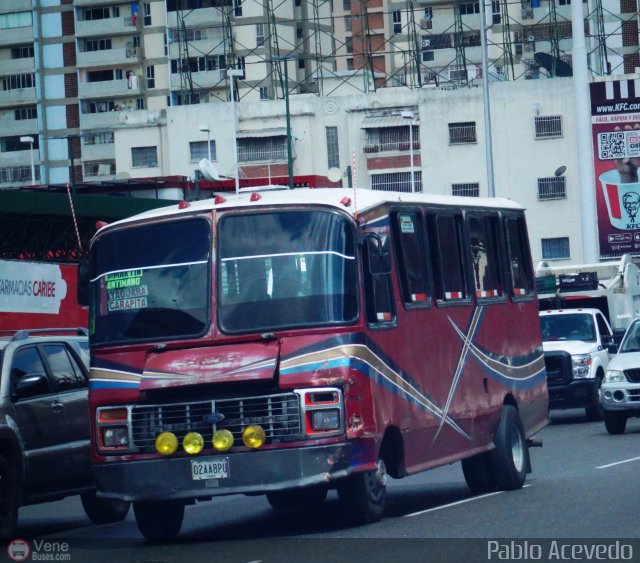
x,y
483,236
520,269
378,290
445,238
411,258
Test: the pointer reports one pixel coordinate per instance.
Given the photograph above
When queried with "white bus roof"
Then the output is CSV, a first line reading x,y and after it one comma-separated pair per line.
x,y
361,200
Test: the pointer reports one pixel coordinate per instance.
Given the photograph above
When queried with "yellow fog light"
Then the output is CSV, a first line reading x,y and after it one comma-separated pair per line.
x,y
222,440
166,443
193,443
253,436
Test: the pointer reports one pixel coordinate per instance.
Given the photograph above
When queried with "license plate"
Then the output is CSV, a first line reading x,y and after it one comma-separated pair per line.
x,y
216,468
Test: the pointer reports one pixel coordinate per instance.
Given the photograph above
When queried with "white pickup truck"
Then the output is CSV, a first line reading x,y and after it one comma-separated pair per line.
x,y
575,344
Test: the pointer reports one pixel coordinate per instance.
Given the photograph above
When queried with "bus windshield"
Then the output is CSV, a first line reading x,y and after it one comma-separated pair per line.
x,y
151,282
285,269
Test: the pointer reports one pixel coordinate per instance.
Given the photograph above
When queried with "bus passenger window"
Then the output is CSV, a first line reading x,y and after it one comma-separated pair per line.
x,y
411,258
519,257
378,293
446,236
484,250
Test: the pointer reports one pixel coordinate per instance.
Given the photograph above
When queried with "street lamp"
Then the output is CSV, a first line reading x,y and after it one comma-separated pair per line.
x,y
205,129
232,73
30,140
408,115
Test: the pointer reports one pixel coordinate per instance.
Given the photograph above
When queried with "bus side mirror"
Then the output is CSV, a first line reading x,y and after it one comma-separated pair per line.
x,y
83,283
379,257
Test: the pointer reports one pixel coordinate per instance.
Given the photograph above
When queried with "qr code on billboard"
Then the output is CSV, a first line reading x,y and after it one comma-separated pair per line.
x,y
611,145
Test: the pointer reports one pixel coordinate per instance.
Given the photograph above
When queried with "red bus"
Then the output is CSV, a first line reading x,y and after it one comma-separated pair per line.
x,y
289,342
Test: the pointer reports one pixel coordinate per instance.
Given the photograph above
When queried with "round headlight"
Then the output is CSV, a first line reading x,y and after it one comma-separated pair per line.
x,y
222,440
166,443
193,443
253,436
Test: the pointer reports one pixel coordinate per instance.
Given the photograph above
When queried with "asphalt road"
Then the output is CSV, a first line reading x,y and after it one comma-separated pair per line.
x,y
583,490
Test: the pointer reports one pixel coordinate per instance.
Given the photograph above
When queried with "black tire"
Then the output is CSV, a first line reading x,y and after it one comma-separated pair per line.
x,y
298,498
159,520
594,411
9,501
615,422
510,459
102,511
479,473
363,495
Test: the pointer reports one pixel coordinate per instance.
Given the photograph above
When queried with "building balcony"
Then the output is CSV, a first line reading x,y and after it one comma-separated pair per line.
x,y
85,3
15,6
102,151
20,96
105,27
107,119
16,36
111,57
107,89
205,79
199,17
19,158
18,66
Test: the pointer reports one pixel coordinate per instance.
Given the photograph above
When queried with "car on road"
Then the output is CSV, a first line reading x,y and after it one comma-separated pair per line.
x,y
44,425
620,393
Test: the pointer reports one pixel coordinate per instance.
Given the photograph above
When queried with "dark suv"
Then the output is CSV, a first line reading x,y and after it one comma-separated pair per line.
x,y
44,425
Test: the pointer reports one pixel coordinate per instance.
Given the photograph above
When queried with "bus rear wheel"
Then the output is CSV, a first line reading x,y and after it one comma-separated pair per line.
x,y
363,495
159,520
510,456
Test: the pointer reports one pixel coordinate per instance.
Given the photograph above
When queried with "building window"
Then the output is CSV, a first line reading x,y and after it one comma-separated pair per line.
x,y
16,19
333,153
468,8
147,14
555,248
92,14
97,45
348,23
299,31
427,55
264,93
471,189
346,5
18,81
349,64
552,188
104,138
259,34
348,41
99,107
29,112
140,103
300,63
392,139
16,174
22,52
13,143
397,21
199,150
426,22
151,76
495,12
461,133
237,8
254,149
397,182
144,157
92,168
548,126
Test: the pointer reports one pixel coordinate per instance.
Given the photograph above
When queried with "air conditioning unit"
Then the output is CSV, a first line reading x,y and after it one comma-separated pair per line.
x,y
426,42
531,38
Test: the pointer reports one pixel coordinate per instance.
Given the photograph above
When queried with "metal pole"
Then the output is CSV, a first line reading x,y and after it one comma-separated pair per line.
x,y
485,97
33,167
413,187
288,115
209,143
586,173
232,74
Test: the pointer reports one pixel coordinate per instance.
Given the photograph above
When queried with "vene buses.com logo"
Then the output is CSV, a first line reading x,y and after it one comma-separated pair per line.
x,y
18,550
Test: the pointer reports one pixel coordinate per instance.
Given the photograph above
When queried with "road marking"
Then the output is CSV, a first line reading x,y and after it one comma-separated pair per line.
x,y
457,503
617,463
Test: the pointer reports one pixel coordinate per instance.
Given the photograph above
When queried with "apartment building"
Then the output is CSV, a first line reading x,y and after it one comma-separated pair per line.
x,y
74,72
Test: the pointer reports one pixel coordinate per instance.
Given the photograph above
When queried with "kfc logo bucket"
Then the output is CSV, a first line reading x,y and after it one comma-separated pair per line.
x,y
623,201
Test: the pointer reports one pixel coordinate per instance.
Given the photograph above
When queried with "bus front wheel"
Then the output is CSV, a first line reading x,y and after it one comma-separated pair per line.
x,y
510,456
159,520
363,495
